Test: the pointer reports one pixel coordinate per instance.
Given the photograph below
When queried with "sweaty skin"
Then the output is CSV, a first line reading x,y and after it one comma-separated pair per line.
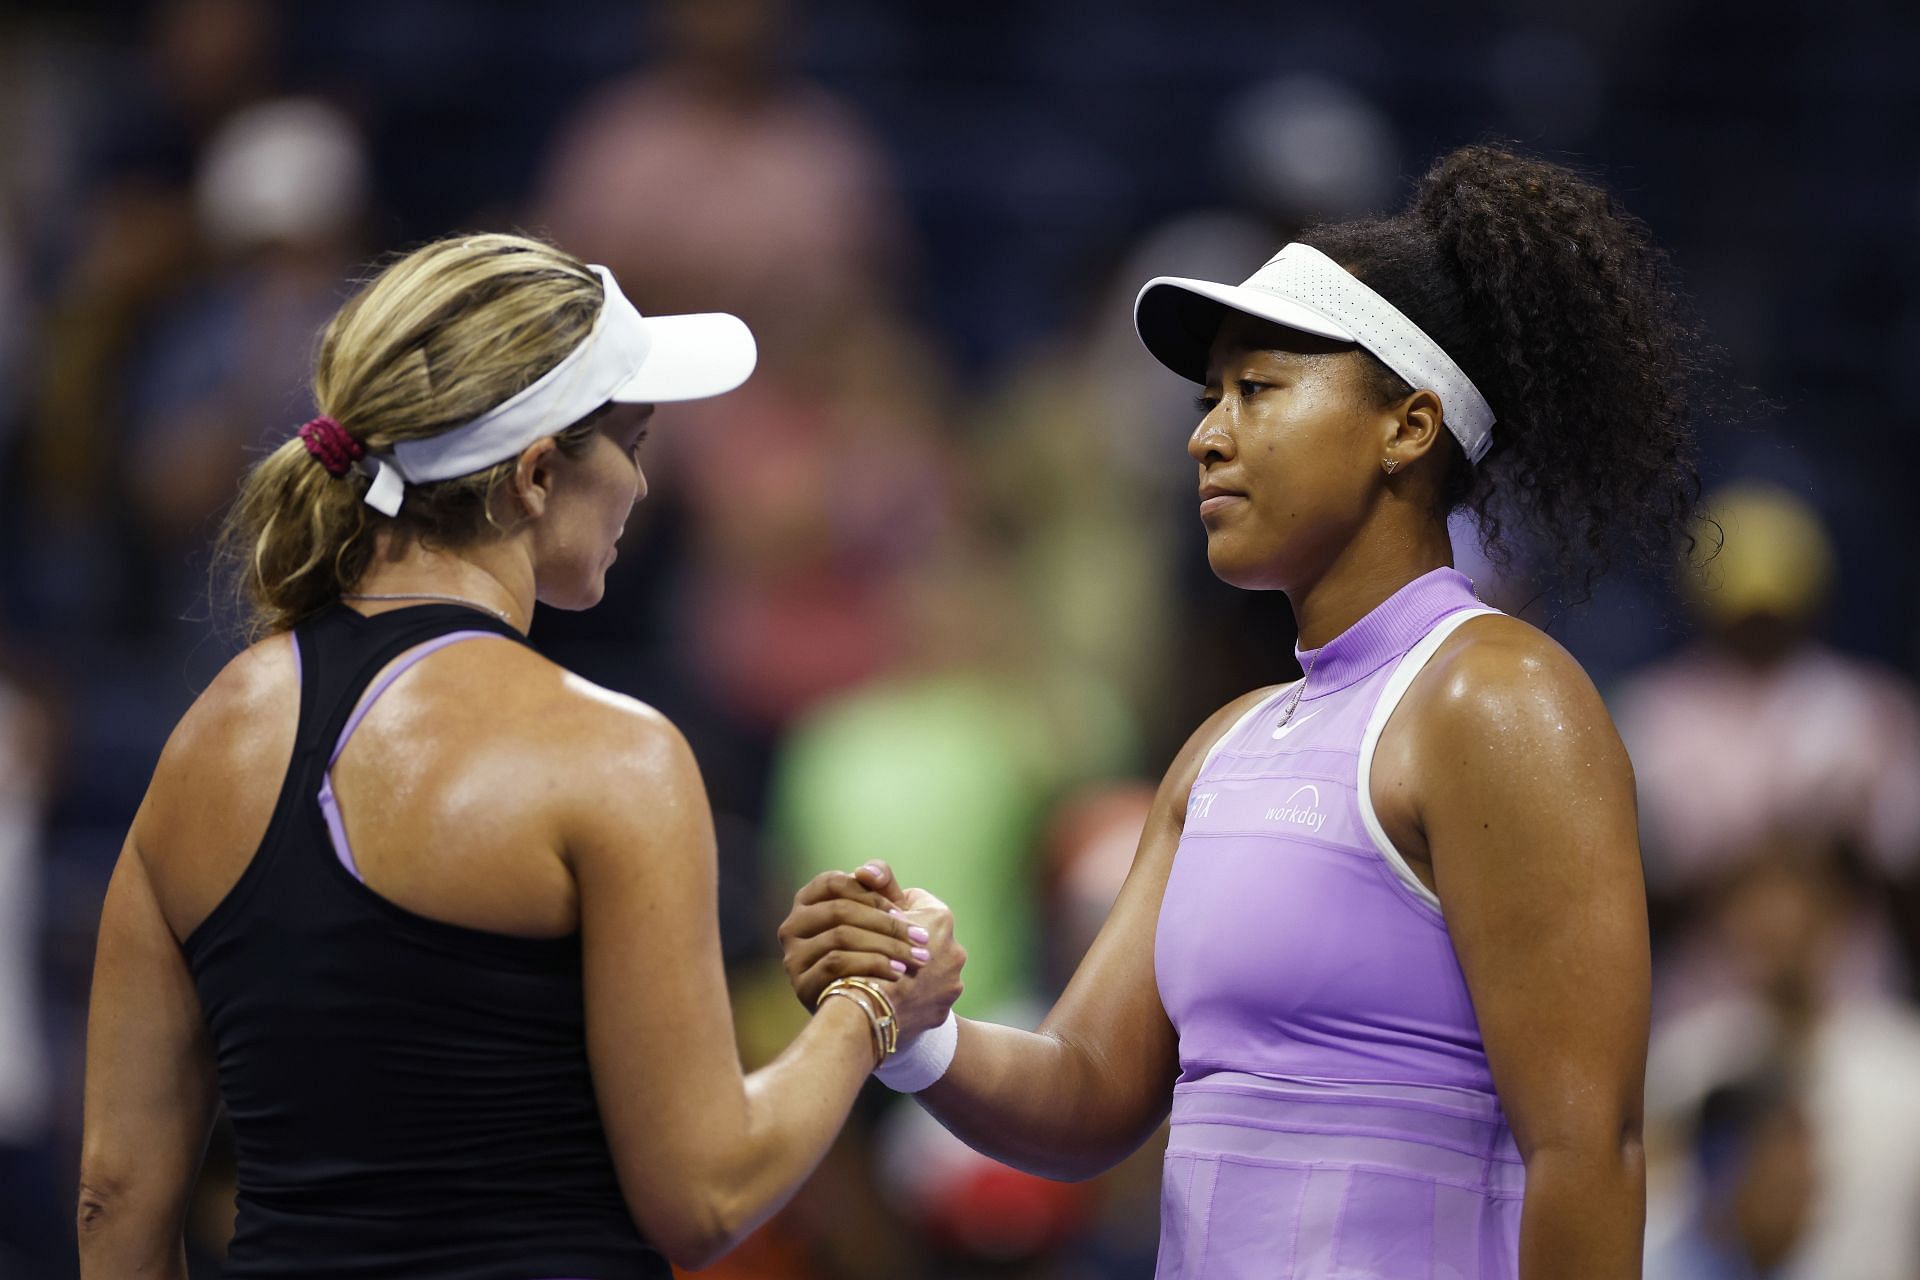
x,y
1500,777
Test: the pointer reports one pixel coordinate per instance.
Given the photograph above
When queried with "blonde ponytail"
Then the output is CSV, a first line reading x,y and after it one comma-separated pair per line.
x,y
436,339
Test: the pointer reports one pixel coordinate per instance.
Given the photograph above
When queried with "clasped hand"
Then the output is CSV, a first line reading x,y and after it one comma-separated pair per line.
x,y
863,924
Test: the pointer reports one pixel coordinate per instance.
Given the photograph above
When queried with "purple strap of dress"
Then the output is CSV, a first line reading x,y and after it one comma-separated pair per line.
x,y
329,806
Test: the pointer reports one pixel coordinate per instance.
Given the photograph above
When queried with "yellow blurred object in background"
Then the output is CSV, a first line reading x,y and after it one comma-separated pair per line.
x,y
1777,558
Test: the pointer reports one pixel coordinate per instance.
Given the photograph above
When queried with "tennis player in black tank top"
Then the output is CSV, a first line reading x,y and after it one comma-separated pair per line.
x,y
434,919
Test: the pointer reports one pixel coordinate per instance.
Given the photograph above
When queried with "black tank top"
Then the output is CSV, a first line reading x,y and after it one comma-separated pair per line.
x,y
409,1098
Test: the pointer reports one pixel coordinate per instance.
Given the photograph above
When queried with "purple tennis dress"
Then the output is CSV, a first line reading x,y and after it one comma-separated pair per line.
x,y
1334,1116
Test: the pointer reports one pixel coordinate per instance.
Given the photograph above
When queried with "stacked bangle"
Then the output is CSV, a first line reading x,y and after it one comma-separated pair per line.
x,y
874,1003
889,1024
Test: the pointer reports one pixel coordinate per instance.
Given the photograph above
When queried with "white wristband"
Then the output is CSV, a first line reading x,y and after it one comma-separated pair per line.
x,y
923,1060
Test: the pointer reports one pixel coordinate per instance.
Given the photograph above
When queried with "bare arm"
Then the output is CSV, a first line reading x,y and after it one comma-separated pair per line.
x,y
704,1152
1084,1091
149,1090
1537,866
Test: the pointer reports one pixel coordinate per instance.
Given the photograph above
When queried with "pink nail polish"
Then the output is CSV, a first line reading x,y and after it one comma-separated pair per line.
x,y
922,954
898,915
899,966
917,934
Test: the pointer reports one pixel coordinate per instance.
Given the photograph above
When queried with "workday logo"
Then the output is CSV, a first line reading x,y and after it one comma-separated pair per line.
x,y
1306,814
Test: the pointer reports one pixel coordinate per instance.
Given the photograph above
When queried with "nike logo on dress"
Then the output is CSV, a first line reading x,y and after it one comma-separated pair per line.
x,y
1291,725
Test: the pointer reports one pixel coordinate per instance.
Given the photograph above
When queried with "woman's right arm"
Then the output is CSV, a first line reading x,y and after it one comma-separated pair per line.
x,y
1084,1091
704,1152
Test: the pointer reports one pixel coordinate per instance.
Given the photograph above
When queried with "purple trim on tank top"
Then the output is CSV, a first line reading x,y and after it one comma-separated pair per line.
x,y
297,668
329,806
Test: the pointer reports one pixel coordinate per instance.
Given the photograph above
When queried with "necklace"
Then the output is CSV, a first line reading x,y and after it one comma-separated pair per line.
x,y
428,595
1300,690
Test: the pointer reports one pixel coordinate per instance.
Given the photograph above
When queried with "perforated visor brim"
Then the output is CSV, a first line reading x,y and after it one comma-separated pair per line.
x,y
1177,319
690,357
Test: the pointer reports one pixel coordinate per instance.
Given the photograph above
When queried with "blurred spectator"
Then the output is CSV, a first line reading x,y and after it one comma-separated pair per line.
x,y
209,58
32,1170
717,181
138,247
1761,730
13,336
1087,850
128,248
1082,456
1852,1055
947,768
280,201
973,1213
1753,1150
1305,148
807,493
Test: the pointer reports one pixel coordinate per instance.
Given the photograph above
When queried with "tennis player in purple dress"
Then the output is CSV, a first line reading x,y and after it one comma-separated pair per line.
x,y
1383,952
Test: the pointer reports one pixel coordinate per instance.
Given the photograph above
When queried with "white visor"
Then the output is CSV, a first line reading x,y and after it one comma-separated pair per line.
x,y
625,357
1302,288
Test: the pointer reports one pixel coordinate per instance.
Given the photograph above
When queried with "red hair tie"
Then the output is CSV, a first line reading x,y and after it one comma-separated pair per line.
x,y
329,442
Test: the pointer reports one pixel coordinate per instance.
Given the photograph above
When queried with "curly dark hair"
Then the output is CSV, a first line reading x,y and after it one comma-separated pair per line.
x,y
1557,304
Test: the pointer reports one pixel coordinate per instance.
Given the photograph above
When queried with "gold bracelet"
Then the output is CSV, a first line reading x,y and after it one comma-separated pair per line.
x,y
887,1025
882,1004
866,986
889,1022
873,1015
874,989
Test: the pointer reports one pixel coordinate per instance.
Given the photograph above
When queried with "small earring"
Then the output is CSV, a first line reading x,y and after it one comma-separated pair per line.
x,y
1391,464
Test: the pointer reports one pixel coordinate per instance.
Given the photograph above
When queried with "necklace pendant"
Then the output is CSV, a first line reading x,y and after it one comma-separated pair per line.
x,y
1299,692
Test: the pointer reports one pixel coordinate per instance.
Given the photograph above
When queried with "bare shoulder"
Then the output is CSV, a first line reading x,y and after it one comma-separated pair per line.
x,y
245,719
233,743
1500,689
504,711
607,758
622,731
259,679
1498,666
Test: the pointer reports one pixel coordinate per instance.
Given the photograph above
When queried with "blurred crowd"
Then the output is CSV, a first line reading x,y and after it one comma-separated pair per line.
x,y
931,587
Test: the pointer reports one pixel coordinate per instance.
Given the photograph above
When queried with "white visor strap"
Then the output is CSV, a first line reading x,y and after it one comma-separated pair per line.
x,y
609,356
1309,277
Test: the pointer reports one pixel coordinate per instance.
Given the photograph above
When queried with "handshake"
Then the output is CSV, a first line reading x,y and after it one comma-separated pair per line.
x,y
862,924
